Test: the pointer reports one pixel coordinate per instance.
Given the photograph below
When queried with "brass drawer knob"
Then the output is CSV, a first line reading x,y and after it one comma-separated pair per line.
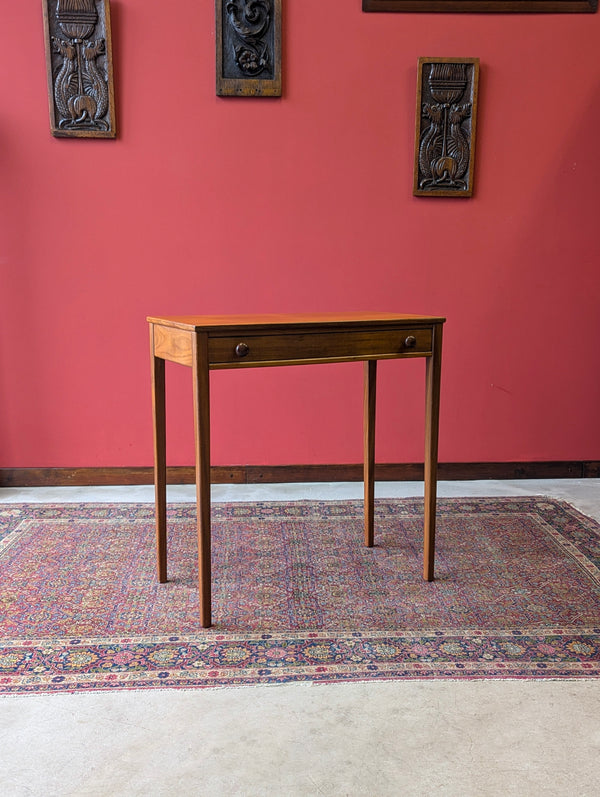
x,y
242,349
410,342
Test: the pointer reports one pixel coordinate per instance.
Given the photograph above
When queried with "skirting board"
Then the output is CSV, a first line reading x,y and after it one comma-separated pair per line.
x,y
273,474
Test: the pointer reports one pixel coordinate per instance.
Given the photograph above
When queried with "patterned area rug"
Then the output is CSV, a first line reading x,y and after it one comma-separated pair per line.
x,y
296,595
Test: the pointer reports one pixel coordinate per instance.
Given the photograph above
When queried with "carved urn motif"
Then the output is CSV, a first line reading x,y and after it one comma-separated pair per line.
x,y
79,62
446,123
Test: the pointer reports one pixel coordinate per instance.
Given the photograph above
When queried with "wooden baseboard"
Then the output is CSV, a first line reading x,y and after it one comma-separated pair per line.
x,y
257,474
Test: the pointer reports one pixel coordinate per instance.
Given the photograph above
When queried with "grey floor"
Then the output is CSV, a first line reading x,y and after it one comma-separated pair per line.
x,y
408,739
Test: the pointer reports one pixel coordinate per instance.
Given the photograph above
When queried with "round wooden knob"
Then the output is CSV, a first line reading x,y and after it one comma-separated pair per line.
x,y
242,349
410,342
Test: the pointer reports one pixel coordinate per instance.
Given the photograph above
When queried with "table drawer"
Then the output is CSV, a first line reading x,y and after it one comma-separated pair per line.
x,y
318,347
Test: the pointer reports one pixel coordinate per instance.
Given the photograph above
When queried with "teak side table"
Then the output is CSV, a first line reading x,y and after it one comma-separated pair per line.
x,y
250,341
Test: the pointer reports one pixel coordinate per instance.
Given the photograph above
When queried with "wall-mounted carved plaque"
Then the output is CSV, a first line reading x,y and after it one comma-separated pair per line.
x,y
79,66
248,43
484,6
445,126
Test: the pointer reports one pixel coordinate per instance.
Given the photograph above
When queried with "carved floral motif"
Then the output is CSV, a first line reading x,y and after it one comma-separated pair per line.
x,y
250,21
248,48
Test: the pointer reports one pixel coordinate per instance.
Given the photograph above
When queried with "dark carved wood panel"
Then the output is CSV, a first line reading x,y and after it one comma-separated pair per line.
x,y
79,66
445,126
248,48
484,6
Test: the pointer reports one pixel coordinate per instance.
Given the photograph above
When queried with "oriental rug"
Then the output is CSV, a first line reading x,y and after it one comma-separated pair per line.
x,y
296,595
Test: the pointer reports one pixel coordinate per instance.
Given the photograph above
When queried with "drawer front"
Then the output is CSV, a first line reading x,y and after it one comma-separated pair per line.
x,y
318,347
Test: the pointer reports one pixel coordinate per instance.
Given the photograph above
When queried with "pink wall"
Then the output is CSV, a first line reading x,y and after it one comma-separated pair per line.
x,y
217,205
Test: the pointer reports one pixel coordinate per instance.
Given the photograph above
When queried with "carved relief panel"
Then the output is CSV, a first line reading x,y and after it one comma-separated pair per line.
x,y
445,126
248,44
79,67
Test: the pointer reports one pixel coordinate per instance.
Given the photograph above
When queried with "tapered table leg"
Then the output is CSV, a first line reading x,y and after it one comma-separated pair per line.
x,y
370,384
432,412
160,458
201,380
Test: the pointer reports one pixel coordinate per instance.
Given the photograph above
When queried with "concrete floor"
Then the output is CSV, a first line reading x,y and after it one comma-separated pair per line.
x,y
497,738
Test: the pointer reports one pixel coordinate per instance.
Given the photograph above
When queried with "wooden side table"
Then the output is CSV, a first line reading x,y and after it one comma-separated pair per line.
x,y
211,342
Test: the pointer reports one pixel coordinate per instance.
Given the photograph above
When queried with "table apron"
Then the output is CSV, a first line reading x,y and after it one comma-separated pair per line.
x,y
176,345
293,348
